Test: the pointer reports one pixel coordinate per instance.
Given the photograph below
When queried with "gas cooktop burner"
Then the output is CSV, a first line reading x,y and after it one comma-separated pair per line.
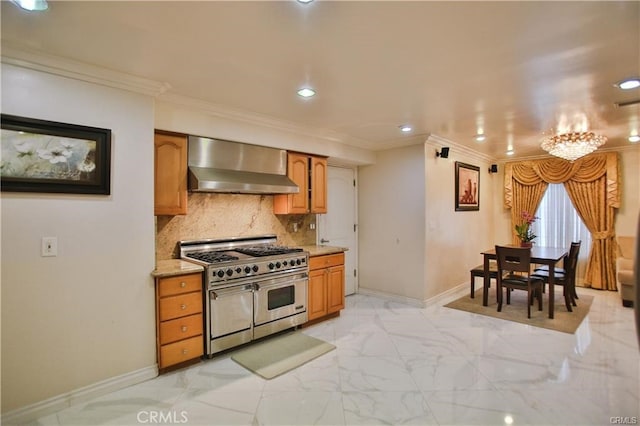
x,y
260,251
212,256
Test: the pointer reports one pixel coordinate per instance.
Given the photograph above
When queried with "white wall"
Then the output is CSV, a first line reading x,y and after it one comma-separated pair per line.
x,y
391,218
197,119
455,239
88,314
412,242
627,217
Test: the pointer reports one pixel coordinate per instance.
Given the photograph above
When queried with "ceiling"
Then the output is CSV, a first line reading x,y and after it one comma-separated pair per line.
x,y
513,70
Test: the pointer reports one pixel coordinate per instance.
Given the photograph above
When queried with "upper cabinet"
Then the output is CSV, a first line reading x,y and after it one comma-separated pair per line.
x,y
309,172
170,173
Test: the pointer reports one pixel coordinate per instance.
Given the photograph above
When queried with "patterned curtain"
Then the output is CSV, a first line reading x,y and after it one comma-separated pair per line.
x,y
592,185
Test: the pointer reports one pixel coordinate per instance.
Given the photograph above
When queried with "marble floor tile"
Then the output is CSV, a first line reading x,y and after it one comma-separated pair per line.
x,y
395,363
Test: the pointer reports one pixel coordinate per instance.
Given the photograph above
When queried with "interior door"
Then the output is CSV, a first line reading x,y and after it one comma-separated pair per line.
x,y
338,226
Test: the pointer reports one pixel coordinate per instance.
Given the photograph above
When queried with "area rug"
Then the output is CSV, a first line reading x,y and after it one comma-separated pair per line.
x,y
281,353
564,321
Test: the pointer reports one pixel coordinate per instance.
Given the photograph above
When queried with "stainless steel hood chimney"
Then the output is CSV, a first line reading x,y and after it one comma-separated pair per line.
x,y
223,166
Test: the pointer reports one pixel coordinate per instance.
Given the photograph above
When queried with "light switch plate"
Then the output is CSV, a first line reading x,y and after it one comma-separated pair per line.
x,y
49,246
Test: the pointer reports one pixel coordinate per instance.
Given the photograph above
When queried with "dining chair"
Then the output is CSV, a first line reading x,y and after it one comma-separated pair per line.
x,y
566,277
514,272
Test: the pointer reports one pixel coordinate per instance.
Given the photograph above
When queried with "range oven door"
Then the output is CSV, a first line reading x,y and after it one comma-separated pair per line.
x,y
280,298
230,310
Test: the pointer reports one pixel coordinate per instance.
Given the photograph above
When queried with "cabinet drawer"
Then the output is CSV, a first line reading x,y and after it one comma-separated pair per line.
x,y
327,261
180,306
183,350
181,328
179,284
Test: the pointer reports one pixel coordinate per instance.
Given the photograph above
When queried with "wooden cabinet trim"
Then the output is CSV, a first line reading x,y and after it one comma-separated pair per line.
x,y
180,328
326,261
181,351
326,285
309,172
179,318
170,173
179,284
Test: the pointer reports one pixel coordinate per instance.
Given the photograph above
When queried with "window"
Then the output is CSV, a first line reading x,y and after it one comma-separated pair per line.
x,y
559,224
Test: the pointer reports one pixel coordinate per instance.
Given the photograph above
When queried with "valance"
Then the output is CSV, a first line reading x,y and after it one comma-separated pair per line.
x,y
556,170
592,184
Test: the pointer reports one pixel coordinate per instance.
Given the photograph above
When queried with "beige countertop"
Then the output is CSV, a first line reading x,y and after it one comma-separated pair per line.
x,y
315,250
170,267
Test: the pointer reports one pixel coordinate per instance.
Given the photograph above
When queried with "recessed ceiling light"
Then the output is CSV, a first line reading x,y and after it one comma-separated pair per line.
x,y
306,92
634,138
480,137
510,152
32,5
630,83
305,1
405,128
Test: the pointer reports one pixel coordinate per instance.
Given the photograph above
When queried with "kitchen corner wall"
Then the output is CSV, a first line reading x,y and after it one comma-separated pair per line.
x,y
212,215
86,316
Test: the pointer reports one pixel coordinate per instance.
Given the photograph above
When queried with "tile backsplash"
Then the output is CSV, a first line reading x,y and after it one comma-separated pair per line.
x,y
212,215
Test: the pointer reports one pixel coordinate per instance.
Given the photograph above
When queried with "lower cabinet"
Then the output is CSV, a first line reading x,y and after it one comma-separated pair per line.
x,y
179,319
326,285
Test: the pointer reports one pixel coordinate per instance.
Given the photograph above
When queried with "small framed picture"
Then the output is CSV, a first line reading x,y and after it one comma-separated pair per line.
x,y
47,156
467,187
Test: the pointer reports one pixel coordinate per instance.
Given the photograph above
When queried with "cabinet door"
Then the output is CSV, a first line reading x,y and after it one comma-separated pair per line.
x,y
318,185
170,172
317,297
335,289
298,172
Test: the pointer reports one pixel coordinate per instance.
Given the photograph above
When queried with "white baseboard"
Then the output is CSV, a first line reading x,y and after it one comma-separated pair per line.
x,y
32,412
439,299
447,296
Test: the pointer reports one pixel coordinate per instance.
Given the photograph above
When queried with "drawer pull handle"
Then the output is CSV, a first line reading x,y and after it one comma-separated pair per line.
x,y
184,351
184,328
183,306
183,284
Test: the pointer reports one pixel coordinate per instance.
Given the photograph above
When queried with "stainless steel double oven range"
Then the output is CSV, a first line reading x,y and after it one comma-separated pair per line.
x,y
253,288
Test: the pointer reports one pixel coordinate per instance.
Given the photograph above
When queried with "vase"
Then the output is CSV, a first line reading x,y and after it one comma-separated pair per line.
x,y
526,244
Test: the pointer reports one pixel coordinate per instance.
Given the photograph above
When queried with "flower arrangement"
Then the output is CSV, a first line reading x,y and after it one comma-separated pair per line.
x,y
524,229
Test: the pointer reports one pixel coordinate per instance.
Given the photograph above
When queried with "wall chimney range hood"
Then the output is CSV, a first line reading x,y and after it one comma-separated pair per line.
x,y
224,166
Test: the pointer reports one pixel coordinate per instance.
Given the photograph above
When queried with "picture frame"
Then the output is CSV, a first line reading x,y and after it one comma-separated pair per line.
x,y
52,157
467,183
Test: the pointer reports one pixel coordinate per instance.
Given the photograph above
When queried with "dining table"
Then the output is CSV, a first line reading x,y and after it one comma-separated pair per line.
x,y
549,256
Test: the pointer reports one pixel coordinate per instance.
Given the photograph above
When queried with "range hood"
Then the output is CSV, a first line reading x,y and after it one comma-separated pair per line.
x,y
224,166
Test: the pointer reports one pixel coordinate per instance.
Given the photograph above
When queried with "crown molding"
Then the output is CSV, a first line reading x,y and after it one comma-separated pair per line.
x,y
230,113
44,62
439,142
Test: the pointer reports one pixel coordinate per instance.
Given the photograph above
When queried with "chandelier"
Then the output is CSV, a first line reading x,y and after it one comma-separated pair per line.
x,y
573,145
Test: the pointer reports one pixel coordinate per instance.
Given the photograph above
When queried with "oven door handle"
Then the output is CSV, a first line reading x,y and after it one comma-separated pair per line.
x,y
215,294
280,282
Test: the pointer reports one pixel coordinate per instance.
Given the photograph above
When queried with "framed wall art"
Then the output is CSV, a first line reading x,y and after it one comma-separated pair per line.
x,y
47,156
467,187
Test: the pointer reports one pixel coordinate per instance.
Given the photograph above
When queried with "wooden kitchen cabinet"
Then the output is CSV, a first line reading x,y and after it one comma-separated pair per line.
x,y
170,173
179,319
309,172
326,285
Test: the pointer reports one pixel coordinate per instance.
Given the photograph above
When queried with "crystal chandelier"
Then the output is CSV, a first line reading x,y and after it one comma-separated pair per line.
x,y
573,145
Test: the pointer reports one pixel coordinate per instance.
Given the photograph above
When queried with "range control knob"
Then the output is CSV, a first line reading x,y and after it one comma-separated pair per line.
x,y
271,265
247,269
220,273
278,264
298,261
284,263
229,272
238,270
255,268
